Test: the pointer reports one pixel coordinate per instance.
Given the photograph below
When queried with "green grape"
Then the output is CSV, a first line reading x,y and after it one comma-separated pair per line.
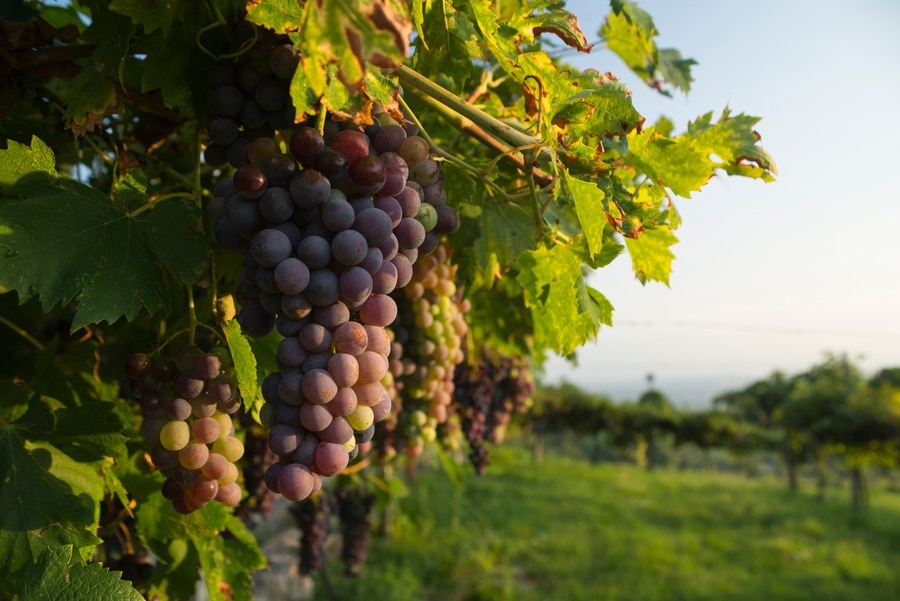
x,y
229,447
175,435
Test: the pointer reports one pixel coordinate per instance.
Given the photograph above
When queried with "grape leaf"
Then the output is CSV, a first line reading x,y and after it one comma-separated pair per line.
x,y
228,562
447,41
629,32
244,367
159,523
62,241
651,258
566,311
350,35
735,143
678,163
90,432
49,500
57,578
588,200
282,16
151,14
498,235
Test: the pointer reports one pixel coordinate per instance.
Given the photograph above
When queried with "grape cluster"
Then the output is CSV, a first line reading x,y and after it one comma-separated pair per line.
x,y
329,231
188,401
311,517
487,394
257,458
429,335
250,97
354,505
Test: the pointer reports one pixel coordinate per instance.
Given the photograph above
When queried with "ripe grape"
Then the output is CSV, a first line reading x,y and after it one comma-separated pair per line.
x,y
184,402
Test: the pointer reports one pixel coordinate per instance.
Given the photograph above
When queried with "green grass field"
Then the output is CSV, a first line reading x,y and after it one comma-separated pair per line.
x,y
567,530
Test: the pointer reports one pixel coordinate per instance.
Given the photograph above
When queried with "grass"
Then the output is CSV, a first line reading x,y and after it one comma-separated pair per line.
x,y
568,530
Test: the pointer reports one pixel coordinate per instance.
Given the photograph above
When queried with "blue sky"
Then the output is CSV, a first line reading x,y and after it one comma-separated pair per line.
x,y
767,276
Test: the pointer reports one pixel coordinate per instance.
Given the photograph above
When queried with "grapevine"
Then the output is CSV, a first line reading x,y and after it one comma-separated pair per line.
x,y
277,240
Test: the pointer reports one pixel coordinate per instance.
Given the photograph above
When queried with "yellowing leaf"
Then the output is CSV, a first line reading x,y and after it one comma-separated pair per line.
x,y
651,257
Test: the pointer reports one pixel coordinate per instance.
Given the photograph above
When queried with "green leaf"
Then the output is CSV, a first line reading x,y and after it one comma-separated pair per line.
x,y
349,35
566,312
159,523
675,69
47,498
282,16
64,241
112,34
448,42
19,160
151,14
651,258
629,32
735,143
588,198
499,234
90,432
245,368
56,577
676,163
228,563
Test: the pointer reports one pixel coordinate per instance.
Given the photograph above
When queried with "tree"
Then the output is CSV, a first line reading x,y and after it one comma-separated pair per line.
x,y
761,404
838,411
139,139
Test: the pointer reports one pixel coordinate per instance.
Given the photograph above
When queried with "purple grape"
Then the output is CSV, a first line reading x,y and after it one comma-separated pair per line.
x,y
314,418
338,214
355,285
404,270
315,338
332,164
384,281
289,390
291,276
368,174
374,224
379,310
410,233
338,431
306,144
283,439
390,248
309,188
296,306
349,247
270,247
389,205
275,205
291,353
331,316
250,182
374,259
343,403
279,169
314,251
344,369
294,481
409,200
353,145
389,138
322,288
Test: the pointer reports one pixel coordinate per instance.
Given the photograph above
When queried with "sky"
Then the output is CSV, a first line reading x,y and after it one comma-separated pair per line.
x,y
767,276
